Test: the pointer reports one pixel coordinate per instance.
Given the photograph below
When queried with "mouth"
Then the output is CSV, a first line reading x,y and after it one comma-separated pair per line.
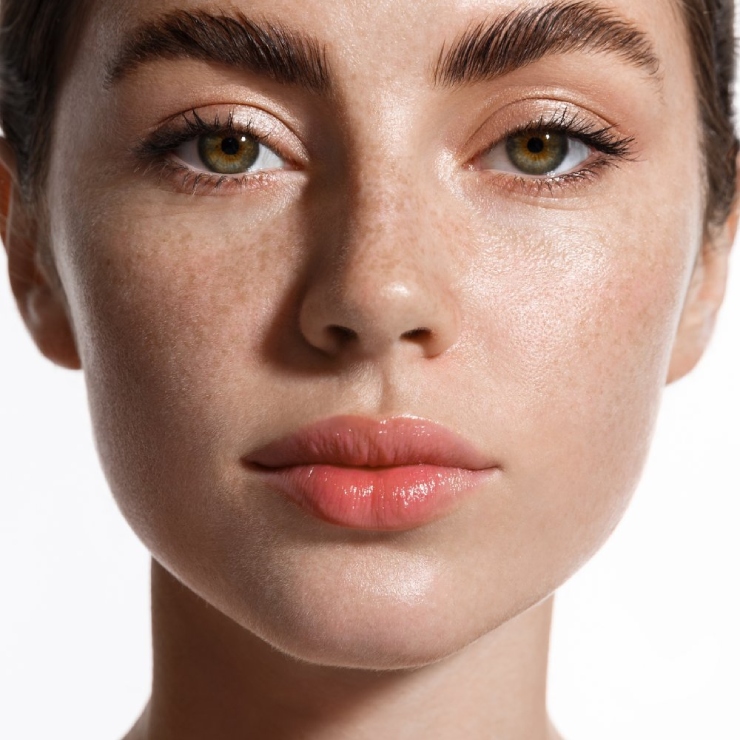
x,y
388,475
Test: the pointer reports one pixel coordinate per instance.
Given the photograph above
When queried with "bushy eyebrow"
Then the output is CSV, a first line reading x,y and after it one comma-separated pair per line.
x,y
487,50
233,40
491,49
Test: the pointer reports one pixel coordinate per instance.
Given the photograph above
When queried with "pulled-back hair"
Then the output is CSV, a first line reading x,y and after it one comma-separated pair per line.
x,y
35,36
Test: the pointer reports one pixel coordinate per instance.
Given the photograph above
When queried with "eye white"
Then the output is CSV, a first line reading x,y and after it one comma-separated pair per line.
x,y
498,159
189,153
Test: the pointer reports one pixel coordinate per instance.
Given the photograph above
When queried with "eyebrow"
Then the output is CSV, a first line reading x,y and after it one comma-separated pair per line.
x,y
233,40
523,36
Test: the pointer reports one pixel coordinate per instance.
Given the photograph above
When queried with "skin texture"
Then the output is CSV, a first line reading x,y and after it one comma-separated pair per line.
x,y
552,320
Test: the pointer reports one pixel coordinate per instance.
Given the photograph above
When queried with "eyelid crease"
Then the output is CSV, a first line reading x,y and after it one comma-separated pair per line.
x,y
190,125
573,124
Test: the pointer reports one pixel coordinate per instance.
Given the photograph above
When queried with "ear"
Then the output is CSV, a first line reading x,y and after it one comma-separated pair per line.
x,y
39,297
704,298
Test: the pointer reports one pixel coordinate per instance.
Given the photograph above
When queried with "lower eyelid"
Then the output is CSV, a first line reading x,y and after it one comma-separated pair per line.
x,y
183,178
554,187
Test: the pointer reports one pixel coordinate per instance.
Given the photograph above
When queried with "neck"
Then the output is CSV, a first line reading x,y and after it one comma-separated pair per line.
x,y
212,678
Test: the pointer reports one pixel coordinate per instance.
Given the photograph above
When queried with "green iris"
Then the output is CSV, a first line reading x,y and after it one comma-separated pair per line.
x,y
228,154
537,152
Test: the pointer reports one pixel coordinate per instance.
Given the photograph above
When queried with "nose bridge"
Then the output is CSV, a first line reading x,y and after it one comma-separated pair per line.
x,y
387,185
383,238
382,281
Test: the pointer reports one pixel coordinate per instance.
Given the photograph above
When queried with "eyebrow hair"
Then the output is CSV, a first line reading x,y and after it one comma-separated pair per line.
x,y
524,36
233,40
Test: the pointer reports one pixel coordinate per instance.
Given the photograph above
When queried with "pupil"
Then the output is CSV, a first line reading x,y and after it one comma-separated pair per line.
x,y
230,146
536,146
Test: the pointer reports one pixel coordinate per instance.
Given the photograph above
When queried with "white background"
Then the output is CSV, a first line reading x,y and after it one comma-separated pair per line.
x,y
646,644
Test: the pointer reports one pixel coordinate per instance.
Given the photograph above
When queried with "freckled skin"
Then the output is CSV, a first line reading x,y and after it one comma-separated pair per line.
x,y
550,323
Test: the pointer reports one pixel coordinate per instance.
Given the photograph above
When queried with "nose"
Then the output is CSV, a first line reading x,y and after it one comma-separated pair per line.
x,y
382,284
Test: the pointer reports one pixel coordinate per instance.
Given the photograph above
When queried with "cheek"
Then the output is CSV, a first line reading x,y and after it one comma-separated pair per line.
x,y
572,354
174,318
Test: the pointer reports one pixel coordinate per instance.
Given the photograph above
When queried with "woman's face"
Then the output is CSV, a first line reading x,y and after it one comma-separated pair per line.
x,y
387,227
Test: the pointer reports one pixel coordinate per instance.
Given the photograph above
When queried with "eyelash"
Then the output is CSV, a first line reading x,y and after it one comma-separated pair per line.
x,y
157,150
611,148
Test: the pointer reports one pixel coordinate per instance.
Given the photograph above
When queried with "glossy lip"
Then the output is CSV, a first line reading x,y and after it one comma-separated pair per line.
x,y
392,474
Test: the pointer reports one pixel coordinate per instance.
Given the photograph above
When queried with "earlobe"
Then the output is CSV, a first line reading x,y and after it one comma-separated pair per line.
x,y
704,299
40,301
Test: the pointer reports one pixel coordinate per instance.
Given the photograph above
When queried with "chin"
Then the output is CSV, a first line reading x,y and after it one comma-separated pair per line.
x,y
398,614
401,639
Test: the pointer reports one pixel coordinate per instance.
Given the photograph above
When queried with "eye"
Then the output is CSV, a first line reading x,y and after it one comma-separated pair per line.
x,y
228,153
537,153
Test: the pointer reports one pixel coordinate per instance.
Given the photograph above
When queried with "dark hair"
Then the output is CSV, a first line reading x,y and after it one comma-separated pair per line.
x,y
36,34
711,29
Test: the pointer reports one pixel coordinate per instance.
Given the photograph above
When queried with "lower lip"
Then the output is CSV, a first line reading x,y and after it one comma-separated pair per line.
x,y
394,498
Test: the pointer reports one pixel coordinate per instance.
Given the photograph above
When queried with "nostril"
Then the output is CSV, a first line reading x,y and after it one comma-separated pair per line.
x,y
342,334
416,334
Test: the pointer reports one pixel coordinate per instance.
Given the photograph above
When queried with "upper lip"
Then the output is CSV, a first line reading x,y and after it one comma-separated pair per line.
x,y
355,441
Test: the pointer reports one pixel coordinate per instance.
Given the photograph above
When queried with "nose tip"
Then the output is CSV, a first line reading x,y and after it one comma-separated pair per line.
x,y
365,318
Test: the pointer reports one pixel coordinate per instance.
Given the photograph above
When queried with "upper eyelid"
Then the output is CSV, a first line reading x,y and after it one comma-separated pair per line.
x,y
188,125
572,123
601,136
199,121
547,109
